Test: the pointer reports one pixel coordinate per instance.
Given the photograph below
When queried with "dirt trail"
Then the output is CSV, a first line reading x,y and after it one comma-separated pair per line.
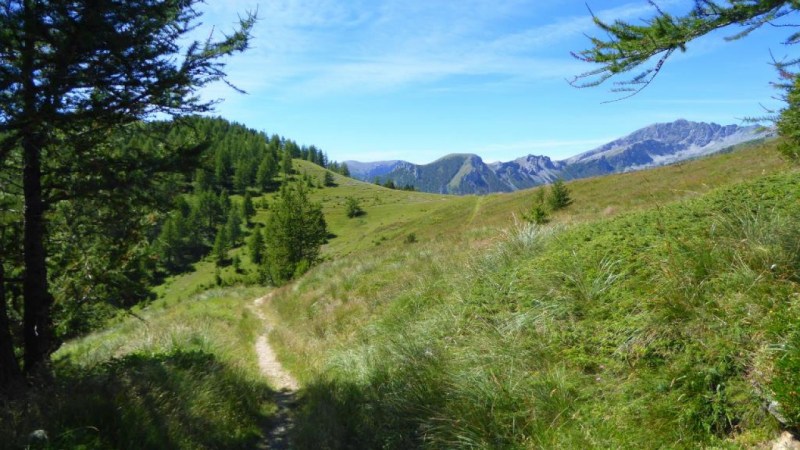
x,y
475,210
282,380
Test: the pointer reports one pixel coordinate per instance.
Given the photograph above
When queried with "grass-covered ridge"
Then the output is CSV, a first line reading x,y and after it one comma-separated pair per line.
x,y
672,326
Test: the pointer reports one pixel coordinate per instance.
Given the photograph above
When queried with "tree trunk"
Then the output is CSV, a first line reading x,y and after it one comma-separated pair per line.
x,y
10,373
37,323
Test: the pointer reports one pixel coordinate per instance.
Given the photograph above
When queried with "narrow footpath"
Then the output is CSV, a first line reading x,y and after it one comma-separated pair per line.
x,y
284,383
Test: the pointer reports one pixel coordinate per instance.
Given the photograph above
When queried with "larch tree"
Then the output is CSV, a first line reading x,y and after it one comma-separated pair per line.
x,y
72,73
642,49
293,235
558,197
649,45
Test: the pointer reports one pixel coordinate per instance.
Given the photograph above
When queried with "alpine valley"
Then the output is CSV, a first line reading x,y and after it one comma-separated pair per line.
x,y
655,145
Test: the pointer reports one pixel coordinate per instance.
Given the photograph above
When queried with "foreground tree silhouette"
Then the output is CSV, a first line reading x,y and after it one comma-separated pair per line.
x,y
72,72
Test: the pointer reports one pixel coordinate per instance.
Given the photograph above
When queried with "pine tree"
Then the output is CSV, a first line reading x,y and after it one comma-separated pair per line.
x,y
234,226
286,164
328,179
267,170
221,246
223,205
353,208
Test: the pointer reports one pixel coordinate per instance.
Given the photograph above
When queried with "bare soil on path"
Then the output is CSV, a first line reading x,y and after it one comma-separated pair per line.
x,y
284,383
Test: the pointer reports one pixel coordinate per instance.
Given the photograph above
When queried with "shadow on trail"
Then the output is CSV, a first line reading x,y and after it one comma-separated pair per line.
x,y
342,415
282,422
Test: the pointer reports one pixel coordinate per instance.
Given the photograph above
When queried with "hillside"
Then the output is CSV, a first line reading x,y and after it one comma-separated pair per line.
x,y
652,146
652,328
435,320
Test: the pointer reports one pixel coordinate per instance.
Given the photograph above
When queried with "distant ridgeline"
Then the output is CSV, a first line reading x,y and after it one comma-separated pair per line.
x,y
652,146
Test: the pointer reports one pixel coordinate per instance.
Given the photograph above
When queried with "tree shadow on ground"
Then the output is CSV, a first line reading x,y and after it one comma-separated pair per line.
x,y
176,400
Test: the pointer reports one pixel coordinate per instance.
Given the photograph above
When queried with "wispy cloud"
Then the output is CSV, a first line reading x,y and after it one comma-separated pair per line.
x,y
323,47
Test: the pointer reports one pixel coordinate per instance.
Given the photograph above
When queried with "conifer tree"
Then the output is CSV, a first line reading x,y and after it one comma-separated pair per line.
x,y
255,246
353,208
267,170
70,73
234,226
286,164
328,179
221,246
644,48
248,209
630,46
294,234
538,213
559,197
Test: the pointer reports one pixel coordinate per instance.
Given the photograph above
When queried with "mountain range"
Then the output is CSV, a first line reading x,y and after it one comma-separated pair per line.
x,y
655,145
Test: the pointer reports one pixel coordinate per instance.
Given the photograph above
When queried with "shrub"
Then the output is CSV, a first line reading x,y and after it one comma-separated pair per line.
x,y
559,195
353,208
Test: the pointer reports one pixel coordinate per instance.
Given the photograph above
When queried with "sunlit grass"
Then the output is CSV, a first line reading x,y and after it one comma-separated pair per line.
x,y
653,328
603,329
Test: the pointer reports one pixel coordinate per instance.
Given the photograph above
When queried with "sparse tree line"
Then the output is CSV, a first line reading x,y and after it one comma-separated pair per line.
x,y
390,184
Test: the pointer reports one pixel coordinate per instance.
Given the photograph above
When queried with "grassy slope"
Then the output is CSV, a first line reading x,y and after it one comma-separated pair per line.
x,y
181,374
392,215
376,292
650,328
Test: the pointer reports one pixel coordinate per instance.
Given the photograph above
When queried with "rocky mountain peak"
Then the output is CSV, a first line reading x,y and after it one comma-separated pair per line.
x,y
654,145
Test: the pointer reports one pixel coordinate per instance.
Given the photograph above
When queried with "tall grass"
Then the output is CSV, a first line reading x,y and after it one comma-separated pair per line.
x,y
664,328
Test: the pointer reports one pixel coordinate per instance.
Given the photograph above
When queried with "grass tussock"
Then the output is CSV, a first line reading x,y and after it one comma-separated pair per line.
x,y
670,327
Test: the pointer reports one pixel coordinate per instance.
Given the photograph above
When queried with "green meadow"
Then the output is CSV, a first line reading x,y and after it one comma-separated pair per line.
x,y
658,310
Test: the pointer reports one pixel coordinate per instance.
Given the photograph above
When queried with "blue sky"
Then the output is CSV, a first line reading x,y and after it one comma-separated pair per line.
x,y
418,79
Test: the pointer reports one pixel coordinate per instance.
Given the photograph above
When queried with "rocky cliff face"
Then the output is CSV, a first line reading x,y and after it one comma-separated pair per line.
x,y
655,145
370,170
527,171
665,143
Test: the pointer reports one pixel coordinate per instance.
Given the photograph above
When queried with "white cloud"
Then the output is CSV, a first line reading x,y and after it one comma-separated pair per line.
x,y
321,47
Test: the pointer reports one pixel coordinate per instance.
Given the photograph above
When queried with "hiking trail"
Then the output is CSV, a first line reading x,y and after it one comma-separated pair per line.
x,y
285,384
